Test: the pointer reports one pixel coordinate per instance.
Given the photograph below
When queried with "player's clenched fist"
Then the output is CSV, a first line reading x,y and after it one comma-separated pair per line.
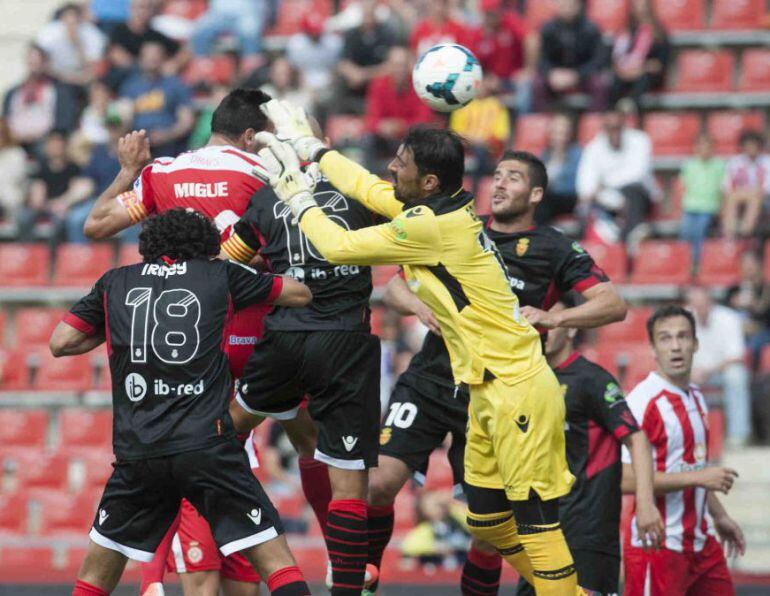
x,y
292,125
134,151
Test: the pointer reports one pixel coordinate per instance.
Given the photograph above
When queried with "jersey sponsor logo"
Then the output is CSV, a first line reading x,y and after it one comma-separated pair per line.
x,y
160,387
200,190
522,422
237,340
397,227
194,553
612,393
136,387
415,212
103,515
297,273
164,270
577,248
349,442
337,271
516,284
522,246
255,515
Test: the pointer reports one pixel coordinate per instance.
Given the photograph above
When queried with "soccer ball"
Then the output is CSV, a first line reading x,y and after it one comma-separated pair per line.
x,y
447,77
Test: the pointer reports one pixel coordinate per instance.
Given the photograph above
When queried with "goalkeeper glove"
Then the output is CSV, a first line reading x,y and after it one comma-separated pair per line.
x,y
292,125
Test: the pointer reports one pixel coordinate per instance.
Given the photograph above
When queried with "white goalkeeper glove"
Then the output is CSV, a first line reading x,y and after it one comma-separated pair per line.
x,y
282,171
292,125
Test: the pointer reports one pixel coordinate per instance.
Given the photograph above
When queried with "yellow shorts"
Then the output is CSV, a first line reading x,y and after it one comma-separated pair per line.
x,y
516,438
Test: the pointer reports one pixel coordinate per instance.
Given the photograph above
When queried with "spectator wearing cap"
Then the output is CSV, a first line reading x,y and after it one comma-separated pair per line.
x,y
315,54
746,185
108,14
39,104
392,106
73,44
438,27
507,51
572,57
363,53
161,103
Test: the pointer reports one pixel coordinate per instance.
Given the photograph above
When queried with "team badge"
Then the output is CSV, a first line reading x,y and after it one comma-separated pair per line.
x,y
385,435
522,246
612,393
194,553
699,452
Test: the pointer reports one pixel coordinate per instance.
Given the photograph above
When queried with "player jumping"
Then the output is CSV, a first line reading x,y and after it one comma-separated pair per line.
x,y
163,321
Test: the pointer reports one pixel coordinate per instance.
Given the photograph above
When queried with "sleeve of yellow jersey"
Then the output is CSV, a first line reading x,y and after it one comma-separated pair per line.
x,y
358,183
412,238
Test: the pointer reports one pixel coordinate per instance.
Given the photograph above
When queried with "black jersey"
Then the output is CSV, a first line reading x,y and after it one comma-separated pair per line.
x,y
543,265
164,327
340,292
597,418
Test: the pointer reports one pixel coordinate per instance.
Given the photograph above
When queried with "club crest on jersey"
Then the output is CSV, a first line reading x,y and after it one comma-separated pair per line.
x,y
522,246
385,435
194,553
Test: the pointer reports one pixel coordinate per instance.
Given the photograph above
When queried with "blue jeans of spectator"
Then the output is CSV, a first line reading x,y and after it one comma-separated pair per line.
x,y
247,27
76,217
693,229
736,400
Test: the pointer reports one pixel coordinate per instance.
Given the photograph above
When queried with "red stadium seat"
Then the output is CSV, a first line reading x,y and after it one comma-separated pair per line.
x,y
611,258
483,199
290,13
405,507
680,15
610,15
20,428
764,360
672,133
635,365
3,321
632,330
216,69
381,274
662,262
589,126
24,264
704,71
343,128
532,132
187,9
20,561
766,260
74,373
13,513
725,128
82,264
85,428
440,475
755,70
62,512
737,14
35,468
35,325
89,466
538,13
128,254
14,370
720,263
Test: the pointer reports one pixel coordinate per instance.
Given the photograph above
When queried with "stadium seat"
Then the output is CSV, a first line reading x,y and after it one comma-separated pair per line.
x,y
23,428
725,127
376,319
720,262
538,13
764,360
290,13
82,264
74,373
62,512
440,475
611,258
532,132
705,71
3,321
405,507
13,513
14,370
610,15
344,128
187,9
483,199
662,262
128,254
24,264
672,133
632,330
737,14
766,260
381,274
21,561
635,365
589,126
85,428
34,326
680,15
755,70
89,466
216,69
35,467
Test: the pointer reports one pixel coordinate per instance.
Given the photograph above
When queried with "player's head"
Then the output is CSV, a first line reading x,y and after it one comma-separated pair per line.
x,y
671,330
179,234
430,161
518,185
561,340
238,118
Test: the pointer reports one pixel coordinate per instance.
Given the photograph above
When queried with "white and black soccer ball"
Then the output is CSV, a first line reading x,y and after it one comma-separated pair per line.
x,y
447,77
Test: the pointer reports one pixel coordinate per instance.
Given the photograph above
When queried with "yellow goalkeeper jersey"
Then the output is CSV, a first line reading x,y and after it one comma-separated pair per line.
x,y
448,261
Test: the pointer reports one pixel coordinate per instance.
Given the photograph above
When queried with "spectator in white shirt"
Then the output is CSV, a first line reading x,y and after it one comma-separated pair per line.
x,y
614,177
719,360
746,184
73,44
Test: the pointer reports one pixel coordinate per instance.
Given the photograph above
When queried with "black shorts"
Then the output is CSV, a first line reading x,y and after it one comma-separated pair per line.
x,y
339,370
596,571
142,498
419,415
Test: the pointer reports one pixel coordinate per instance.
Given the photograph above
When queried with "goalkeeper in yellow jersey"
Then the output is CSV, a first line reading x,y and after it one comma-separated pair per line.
x,y
515,464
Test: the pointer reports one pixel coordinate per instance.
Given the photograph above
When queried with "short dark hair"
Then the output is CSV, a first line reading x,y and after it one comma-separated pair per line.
x,y
538,176
666,312
239,111
439,152
752,135
179,234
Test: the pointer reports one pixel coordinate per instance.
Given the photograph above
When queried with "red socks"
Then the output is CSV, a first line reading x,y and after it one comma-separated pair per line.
x,y
287,582
85,589
347,543
155,570
481,574
380,529
316,486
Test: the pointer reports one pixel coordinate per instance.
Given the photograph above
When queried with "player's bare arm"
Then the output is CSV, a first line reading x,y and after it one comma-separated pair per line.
x,y
293,293
400,298
648,520
712,478
729,531
108,216
68,341
603,305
